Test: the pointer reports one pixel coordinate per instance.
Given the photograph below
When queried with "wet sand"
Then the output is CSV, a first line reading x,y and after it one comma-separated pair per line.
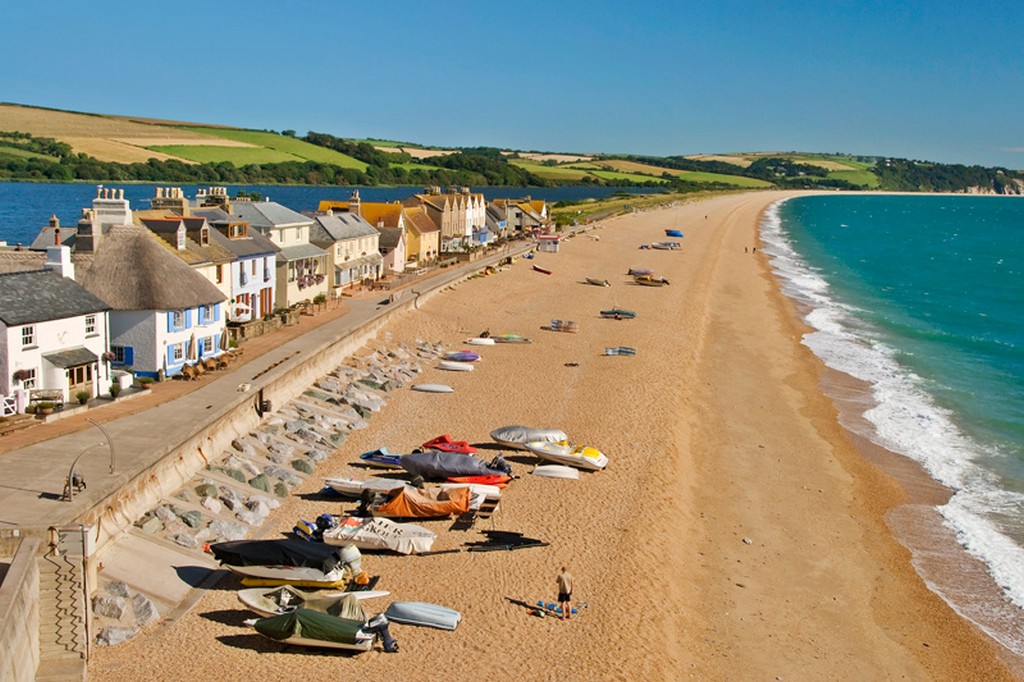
x,y
738,532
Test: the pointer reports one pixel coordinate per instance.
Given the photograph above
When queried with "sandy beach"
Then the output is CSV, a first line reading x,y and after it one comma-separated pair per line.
x,y
738,533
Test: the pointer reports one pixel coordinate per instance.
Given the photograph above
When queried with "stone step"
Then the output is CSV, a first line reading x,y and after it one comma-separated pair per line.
x,y
63,669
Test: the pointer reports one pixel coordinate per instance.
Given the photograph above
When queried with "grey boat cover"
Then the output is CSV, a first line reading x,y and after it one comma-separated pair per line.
x,y
422,613
436,464
311,625
288,598
285,552
524,434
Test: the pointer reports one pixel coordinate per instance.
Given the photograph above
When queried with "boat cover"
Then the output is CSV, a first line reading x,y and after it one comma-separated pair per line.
x,y
423,504
422,613
378,533
284,552
518,435
311,624
289,598
433,464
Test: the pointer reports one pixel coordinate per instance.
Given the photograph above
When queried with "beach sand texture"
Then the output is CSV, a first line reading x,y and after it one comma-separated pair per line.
x,y
737,533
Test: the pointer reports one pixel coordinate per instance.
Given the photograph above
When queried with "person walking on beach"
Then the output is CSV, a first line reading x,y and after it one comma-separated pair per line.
x,y
564,581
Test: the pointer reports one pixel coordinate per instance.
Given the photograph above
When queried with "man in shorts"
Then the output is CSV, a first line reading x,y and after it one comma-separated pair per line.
x,y
564,581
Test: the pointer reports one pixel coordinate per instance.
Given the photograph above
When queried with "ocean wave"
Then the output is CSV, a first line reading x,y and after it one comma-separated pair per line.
x,y
905,418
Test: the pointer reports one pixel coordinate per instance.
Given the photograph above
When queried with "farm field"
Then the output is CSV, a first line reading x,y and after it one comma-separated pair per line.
x,y
863,178
691,176
561,173
239,156
287,148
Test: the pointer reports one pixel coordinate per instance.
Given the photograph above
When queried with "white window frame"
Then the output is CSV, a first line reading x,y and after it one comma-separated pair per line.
x,y
178,352
90,324
179,319
28,336
207,347
31,381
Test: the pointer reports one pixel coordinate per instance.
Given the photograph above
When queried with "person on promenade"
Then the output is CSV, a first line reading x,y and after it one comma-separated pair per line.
x,y
564,581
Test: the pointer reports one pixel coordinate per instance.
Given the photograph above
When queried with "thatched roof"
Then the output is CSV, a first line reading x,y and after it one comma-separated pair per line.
x,y
134,271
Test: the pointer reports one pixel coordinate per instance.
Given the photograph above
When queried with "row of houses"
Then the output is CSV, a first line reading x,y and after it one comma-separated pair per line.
x,y
144,293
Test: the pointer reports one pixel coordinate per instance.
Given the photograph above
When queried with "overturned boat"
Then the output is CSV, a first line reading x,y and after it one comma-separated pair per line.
x,y
650,280
424,614
290,561
618,314
380,534
516,436
598,282
354,487
434,465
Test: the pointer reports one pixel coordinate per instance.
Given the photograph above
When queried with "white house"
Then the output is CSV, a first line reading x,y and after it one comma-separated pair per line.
x,y
53,336
353,245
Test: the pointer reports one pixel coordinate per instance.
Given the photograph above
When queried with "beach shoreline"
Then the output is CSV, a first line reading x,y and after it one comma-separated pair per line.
x,y
738,533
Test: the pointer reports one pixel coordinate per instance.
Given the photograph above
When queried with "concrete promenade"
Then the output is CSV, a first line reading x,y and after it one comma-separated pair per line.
x,y
145,427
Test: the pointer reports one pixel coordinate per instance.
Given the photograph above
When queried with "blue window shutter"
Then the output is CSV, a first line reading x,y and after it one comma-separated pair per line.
x,y
170,356
188,318
216,312
170,321
129,355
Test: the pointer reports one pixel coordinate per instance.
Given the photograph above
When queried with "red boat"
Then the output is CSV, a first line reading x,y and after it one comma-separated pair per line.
x,y
542,270
499,480
446,444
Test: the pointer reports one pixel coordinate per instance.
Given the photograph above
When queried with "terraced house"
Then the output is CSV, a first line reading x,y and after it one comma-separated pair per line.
x,y
353,246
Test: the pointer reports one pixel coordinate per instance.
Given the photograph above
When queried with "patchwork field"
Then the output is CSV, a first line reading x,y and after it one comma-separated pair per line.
x,y
417,152
286,148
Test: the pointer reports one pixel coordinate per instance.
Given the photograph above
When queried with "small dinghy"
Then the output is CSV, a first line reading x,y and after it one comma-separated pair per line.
x,y
516,436
564,326
618,314
381,458
511,338
666,246
496,480
422,613
433,388
305,627
380,534
673,233
435,465
455,366
413,503
488,492
480,341
639,271
581,457
598,282
556,471
289,561
543,271
463,356
446,444
650,280
277,600
620,350
354,487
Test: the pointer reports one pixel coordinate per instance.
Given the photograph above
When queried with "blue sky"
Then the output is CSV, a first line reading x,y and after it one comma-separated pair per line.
x,y
938,81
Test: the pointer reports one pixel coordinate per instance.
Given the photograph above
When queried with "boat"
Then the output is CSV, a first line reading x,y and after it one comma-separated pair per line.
x,y
488,492
516,436
480,341
454,366
422,613
666,246
511,338
444,465
639,271
564,326
581,457
621,350
556,471
413,503
306,627
381,458
496,480
289,561
272,601
618,314
673,233
462,356
543,271
650,280
354,487
446,444
380,534
433,388
598,282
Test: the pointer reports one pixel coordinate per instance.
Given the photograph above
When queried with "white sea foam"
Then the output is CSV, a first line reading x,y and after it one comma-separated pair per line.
x,y
906,419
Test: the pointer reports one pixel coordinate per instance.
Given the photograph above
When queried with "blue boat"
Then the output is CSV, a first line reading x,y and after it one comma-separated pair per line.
x,y
381,458
673,233
618,314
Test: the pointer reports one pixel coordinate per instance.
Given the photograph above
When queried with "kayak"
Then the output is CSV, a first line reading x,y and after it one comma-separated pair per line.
x,y
483,479
462,356
381,458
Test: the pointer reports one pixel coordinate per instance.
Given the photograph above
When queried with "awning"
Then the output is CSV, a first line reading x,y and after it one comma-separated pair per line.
x,y
370,259
298,252
73,357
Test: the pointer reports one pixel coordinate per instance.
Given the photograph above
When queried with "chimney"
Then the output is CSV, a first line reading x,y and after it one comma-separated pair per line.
x,y
58,259
54,221
354,203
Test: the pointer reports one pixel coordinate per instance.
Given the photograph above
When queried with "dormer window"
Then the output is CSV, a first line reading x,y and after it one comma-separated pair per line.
x,y
237,230
204,236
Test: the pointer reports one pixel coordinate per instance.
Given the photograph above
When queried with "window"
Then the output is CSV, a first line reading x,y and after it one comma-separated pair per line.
x,y
292,271
30,381
266,269
206,314
178,352
118,352
220,274
80,375
204,236
90,324
28,336
179,319
207,346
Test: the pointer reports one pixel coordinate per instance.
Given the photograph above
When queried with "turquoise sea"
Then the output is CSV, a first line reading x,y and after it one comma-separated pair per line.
x,y
922,299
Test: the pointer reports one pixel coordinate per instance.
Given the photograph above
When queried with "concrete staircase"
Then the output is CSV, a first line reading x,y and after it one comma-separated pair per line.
x,y
63,639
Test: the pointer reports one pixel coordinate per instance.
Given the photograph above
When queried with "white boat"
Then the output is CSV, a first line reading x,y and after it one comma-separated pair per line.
x,y
271,601
433,388
480,341
581,457
380,533
556,471
517,436
455,366
489,492
354,487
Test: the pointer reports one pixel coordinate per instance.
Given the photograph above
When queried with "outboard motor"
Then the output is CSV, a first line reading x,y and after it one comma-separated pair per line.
x,y
500,464
378,625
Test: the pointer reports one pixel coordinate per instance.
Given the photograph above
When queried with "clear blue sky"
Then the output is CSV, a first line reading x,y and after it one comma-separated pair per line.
x,y
937,80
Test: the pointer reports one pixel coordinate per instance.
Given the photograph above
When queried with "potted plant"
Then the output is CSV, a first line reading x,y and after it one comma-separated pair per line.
x,y
114,390
45,407
146,382
21,375
83,397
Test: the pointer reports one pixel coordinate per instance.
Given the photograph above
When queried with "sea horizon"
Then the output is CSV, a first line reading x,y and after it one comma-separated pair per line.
x,y
913,297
